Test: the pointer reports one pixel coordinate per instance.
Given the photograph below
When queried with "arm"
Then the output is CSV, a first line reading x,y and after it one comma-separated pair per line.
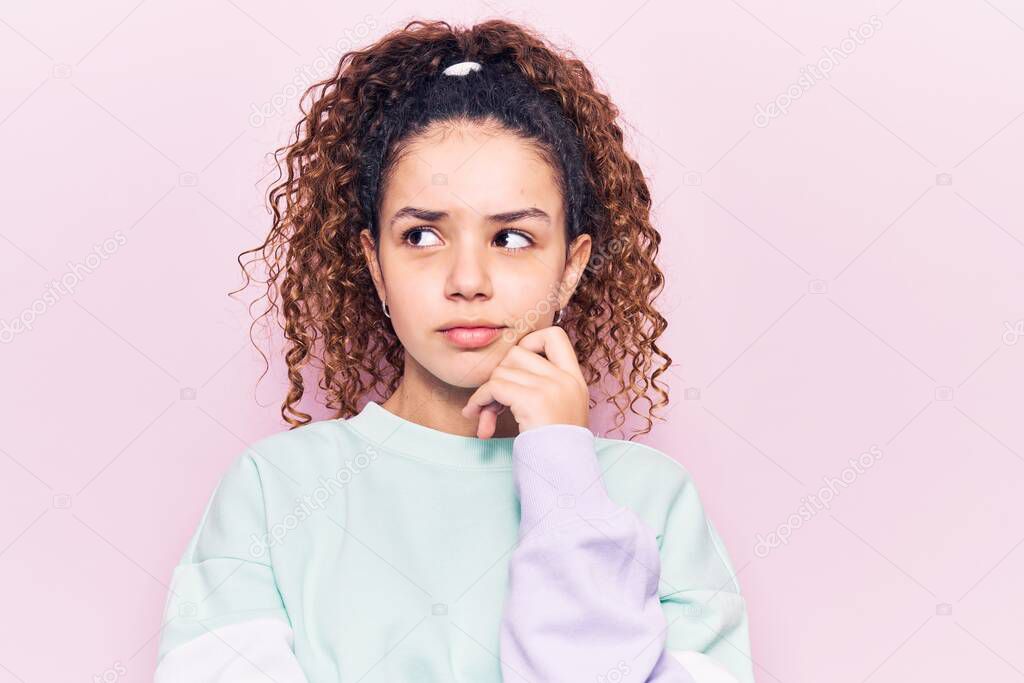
x,y
582,601
224,621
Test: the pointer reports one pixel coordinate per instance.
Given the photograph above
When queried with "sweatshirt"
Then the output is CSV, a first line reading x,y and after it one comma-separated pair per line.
x,y
376,549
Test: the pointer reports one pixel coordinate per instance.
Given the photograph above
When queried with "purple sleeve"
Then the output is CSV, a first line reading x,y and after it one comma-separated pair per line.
x,y
582,600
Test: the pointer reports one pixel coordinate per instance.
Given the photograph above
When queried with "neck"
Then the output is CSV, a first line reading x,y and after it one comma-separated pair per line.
x,y
424,399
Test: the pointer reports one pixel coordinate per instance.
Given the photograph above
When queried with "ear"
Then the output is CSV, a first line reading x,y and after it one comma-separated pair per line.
x,y
370,254
575,265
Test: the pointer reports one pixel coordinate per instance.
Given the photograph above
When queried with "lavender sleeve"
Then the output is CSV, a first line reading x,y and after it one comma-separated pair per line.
x,y
582,597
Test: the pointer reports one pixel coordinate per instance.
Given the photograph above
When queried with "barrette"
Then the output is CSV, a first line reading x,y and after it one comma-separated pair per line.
x,y
462,68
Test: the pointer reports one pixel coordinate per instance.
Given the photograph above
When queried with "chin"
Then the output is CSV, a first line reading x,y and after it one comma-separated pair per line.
x,y
468,374
463,369
466,380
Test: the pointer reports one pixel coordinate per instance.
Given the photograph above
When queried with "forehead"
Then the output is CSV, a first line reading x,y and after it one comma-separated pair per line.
x,y
474,169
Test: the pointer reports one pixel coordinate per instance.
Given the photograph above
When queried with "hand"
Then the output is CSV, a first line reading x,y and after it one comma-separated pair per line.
x,y
539,379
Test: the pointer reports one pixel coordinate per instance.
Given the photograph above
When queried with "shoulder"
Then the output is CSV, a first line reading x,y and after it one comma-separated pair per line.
x,y
296,454
263,478
640,465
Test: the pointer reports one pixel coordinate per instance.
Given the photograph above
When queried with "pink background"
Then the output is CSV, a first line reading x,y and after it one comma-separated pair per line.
x,y
849,275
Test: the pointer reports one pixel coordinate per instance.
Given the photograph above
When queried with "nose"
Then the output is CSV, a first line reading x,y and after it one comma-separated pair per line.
x,y
468,275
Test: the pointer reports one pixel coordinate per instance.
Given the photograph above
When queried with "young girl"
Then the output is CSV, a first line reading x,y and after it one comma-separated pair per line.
x,y
459,205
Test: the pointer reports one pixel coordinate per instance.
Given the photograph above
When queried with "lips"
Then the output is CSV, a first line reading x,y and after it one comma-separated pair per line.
x,y
471,337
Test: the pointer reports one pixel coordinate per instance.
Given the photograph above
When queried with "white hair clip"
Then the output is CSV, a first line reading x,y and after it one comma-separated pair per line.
x,y
462,68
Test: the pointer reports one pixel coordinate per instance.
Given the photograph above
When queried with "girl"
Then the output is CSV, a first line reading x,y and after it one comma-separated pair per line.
x,y
458,204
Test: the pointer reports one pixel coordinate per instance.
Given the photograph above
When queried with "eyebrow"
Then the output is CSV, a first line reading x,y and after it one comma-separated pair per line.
x,y
505,217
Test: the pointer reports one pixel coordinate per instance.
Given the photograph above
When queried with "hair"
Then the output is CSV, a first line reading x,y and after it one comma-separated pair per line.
x,y
361,119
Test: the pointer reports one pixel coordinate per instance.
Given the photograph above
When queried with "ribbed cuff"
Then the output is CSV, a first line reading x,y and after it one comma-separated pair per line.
x,y
557,477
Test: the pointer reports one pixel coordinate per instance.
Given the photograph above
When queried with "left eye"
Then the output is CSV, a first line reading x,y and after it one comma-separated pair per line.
x,y
514,234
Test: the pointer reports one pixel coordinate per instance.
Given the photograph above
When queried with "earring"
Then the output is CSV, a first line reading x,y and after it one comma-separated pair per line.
x,y
385,306
558,316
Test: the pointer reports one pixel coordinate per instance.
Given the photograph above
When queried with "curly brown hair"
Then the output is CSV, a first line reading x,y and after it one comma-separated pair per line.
x,y
342,151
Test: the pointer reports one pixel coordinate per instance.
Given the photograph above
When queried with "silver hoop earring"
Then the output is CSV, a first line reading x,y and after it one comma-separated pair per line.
x,y
558,316
385,306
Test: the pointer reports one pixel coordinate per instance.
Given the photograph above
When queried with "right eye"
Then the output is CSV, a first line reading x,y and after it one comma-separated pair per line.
x,y
418,231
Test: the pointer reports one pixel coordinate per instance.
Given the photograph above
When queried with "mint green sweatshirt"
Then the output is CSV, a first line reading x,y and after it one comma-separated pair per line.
x,y
375,549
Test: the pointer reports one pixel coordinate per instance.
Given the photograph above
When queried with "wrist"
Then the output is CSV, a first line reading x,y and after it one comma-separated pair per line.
x,y
558,477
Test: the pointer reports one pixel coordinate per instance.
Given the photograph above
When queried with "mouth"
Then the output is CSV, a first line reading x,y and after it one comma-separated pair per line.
x,y
471,337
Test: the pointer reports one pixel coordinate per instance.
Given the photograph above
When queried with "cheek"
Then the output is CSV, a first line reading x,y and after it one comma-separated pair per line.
x,y
415,303
411,283
530,301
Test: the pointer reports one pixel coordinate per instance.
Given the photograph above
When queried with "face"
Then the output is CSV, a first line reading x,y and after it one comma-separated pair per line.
x,y
472,233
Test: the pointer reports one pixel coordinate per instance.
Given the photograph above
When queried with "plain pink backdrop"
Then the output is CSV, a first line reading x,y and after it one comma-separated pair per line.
x,y
846,275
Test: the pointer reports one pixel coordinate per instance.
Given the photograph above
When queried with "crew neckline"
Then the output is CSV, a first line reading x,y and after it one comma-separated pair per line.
x,y
388,431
